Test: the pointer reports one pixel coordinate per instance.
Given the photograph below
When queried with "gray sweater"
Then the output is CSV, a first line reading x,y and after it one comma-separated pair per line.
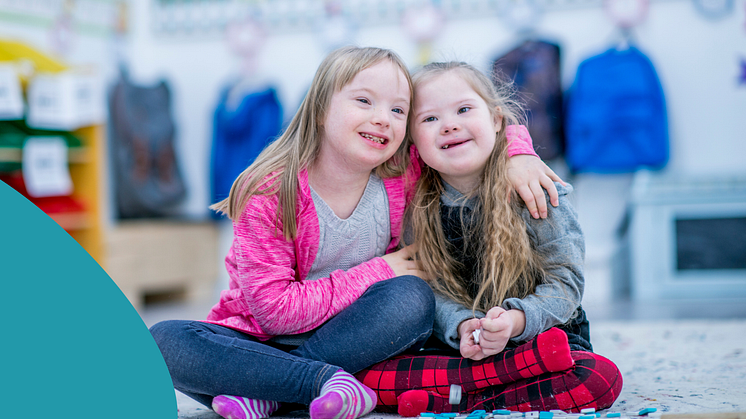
x,y
560,238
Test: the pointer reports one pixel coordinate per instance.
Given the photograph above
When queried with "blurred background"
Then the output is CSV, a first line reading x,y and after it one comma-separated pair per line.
x,y
125,119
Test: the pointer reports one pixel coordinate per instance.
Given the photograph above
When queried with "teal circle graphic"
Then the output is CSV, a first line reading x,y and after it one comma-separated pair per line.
x,y
72,344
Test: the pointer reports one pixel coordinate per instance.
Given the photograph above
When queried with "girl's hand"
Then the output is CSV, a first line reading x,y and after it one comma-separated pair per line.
x,y
402,264
469,348
528,174
498,326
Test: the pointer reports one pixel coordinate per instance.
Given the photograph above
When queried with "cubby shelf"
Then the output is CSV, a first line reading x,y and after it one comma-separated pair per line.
x,y
82,216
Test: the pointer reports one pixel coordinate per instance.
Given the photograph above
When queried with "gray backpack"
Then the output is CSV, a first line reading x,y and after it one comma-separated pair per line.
x,y
147,179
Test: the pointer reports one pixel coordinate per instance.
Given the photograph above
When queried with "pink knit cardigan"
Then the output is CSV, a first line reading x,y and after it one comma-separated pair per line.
x,y
269,294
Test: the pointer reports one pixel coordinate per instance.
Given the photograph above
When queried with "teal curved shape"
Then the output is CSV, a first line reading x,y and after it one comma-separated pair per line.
x,y
72,344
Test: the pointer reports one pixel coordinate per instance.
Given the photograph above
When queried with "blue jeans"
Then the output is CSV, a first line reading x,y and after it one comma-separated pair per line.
x,y
206,360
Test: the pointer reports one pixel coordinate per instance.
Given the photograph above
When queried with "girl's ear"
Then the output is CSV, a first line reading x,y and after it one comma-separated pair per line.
x,y
498,118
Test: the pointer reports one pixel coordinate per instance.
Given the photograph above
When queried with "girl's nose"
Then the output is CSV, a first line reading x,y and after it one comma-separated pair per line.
x,y
380,117
449,128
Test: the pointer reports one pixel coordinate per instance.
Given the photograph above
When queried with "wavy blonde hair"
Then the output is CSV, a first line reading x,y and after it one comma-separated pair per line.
x,y
275,170
508,264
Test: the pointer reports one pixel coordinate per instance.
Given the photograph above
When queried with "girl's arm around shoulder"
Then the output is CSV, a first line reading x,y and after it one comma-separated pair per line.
x,y
271,271
528,174
560,241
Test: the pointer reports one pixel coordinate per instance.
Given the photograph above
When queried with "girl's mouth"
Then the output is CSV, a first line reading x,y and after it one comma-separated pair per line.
x,y
373,138
447,146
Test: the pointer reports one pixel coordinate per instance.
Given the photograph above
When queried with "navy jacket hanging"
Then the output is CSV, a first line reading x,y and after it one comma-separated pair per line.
x,y
240,135
534,66
616,115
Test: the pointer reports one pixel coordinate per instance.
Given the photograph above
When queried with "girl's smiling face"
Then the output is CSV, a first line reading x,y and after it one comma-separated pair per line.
x,y
454,129
367,119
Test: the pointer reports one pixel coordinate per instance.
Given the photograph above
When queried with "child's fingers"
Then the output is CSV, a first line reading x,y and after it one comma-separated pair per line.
x,y
466,329
492,339
553,176
547,183
468,349
406,252
489,352
493,342
410,268
527,196
473,352
494,312
401,265
479,355
541,201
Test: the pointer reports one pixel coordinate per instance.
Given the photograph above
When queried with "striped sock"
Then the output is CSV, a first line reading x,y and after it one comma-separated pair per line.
x,y
234,407
343,397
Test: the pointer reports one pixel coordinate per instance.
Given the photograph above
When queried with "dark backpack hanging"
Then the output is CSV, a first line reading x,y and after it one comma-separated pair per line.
x,y
147,179
616,115
534,67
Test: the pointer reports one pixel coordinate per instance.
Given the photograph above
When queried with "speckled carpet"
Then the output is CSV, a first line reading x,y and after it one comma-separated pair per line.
x,y
676,366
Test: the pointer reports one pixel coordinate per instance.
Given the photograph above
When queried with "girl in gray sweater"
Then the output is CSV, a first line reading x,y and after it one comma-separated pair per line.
x,y
508,287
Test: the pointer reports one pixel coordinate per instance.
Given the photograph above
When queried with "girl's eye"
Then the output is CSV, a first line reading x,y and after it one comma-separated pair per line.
x,y
429,119
464,109
363,100
398,110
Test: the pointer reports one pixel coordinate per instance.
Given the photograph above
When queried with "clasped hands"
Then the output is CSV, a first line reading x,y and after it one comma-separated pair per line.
x,y
497,328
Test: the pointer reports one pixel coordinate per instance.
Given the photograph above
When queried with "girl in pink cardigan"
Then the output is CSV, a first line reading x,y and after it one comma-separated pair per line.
x,y
317,288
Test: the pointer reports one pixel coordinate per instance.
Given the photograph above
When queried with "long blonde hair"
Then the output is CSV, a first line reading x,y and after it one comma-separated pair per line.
x,y
275,170
508,265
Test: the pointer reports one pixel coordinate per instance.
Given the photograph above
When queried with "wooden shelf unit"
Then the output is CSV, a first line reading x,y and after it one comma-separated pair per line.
x,y
86,164
87,172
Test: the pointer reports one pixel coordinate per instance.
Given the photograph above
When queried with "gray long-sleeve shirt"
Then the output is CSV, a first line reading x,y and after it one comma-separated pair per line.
x,y
560,239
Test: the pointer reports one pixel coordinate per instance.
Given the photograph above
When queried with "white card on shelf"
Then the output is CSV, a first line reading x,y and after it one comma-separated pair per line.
x,y
65,101
45,170
11,97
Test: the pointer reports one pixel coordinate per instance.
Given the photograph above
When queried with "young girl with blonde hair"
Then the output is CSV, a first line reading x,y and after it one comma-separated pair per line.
x,y
508,287
317,290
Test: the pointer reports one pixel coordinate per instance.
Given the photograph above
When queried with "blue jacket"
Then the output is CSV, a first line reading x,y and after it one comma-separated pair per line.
x,y
240,135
